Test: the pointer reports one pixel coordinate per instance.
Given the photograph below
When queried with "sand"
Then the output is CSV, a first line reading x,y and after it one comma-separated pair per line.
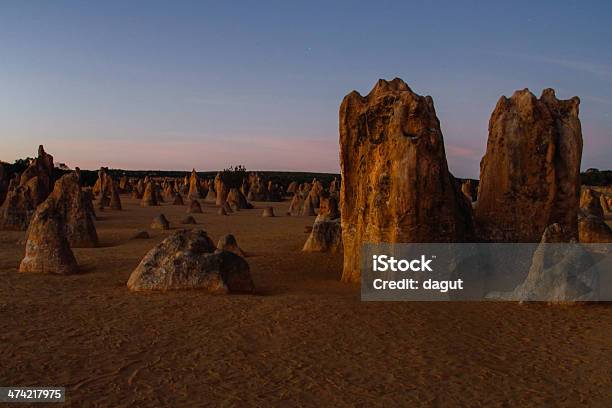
x,y
304,339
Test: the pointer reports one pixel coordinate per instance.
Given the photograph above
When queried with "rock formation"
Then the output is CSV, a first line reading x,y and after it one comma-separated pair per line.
x,y
590,203
297,205
592,227
293,187
73,206
605,205
194,207
236,196
308,209
530,174
187,260
17,209
592,230
333,186
39,176
211,196
149,197
328,207
220,190
178,200
160,222
466,189
395,184
558,273
31,188
326,236
194,187
188,220
229,243
47,249
268,212
125,186
115,199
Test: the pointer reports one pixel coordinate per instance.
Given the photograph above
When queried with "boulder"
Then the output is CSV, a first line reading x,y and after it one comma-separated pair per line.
x,y
530,173
160,222
396,186
47,250
187,260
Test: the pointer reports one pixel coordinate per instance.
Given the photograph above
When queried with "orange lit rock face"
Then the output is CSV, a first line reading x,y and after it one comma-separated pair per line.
x,y
530,174
221,191
194,186
149,198
395,186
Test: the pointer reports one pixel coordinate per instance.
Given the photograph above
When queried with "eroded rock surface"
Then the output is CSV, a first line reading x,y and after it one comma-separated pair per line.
x,y
47,250
395,184
530,174
187,260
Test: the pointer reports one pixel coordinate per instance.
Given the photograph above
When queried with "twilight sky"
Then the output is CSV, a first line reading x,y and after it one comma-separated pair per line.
x,y
177,84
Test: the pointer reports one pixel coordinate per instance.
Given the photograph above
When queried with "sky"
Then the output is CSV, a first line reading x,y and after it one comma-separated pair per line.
x,y
175,85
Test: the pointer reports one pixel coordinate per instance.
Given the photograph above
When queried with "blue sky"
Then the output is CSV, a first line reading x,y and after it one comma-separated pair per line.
x,y
176,85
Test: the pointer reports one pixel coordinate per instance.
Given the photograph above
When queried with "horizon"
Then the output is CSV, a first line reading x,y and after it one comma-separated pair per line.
x,y
203,85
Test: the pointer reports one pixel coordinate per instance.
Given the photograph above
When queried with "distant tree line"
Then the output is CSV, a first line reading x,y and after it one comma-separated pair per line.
x,y
595,177
233,175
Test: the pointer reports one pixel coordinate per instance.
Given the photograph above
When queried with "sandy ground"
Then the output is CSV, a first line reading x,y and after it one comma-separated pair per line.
x,y
304,339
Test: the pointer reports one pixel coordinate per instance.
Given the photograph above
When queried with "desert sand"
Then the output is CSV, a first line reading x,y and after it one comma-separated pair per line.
x,y
304,338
